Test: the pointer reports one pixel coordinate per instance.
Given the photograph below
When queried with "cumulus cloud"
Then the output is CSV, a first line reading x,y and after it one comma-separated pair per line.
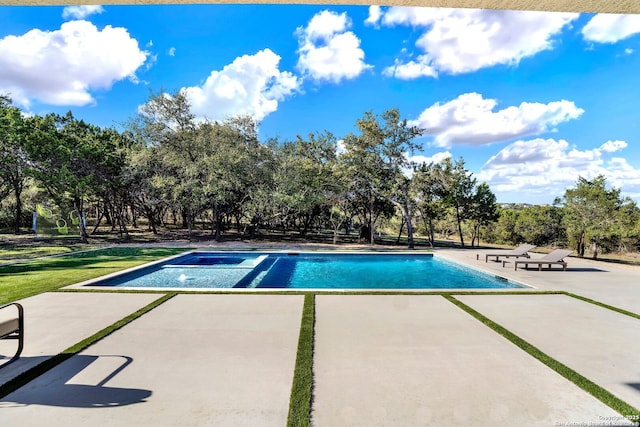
x,y
465,40
412,69
436,158
251,84
470,119
171,51
327,51
611,28
375,13
61,67
81,12
613,146
419,159
546,167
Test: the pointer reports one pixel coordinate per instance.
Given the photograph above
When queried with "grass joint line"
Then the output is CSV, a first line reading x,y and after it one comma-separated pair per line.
x,y
302,389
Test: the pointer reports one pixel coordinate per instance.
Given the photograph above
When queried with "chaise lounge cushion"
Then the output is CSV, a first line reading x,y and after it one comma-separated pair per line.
x,y
9,326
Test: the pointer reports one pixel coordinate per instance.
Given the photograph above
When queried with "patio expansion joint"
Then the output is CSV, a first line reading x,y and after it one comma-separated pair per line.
x,y
584,383
50,363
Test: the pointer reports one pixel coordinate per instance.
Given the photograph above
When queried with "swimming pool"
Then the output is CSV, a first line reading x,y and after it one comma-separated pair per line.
x,y
206,270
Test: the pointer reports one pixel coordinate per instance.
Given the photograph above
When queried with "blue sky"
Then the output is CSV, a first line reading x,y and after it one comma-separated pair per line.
x,y
530,100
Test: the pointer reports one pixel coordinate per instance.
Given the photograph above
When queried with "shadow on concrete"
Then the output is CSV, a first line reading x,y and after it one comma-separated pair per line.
x,y
586,270
9,369
60,386
569,269
634,385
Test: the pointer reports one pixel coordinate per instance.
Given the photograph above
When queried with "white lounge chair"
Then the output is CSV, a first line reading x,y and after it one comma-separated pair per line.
x,y
520,251
555,257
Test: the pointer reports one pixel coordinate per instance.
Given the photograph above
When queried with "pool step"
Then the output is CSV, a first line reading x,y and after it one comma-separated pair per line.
x,y
279,274
263,266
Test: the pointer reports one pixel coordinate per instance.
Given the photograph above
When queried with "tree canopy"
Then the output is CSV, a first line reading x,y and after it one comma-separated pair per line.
x,y
168,168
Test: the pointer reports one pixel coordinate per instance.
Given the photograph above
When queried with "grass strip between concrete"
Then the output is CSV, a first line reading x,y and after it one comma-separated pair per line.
x,y
34,372
302,388
603,305
606,397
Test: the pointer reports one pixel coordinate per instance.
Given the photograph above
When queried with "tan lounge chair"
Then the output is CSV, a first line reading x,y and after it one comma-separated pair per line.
x,y
520,251
555,257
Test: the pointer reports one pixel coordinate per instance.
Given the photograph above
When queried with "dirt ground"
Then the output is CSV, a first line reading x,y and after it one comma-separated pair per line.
x,y
264,240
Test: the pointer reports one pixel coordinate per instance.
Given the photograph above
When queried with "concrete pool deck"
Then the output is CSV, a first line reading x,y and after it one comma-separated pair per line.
x,y
223,360
379,359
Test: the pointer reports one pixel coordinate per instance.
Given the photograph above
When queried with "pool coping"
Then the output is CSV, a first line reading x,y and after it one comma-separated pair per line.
x,y
90,285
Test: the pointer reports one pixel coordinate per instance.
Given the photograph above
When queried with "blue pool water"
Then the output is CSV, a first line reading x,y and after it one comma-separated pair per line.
x,y
307,271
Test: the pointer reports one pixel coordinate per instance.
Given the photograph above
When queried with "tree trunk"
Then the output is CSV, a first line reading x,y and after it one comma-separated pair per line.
x,y
238,217
108,218
371,235
134,220
409,222
185,221
400,232
217,218
459,226
17,191
432,239
98,222
79,206
152,221
124,232
595,249
581,245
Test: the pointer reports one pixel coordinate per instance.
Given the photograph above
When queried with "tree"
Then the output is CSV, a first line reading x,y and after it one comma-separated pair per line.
x,y
539,225
71,160
166,123
428,188
590,213
232,166
377,159
626,231
459,187
14,161
483,210
303,177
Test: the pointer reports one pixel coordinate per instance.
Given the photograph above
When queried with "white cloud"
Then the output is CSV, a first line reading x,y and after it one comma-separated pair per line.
x,y
610,28
327,51
375,13
61,67
613,146
340,147
544,168
470,119
465,40
171,51
411,70
251,84
436,158
81,12
419,159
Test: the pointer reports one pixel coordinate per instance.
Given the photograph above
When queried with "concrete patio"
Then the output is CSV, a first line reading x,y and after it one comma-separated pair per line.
x,y
385,360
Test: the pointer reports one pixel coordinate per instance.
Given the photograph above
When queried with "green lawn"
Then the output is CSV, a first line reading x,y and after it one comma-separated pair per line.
x,y
29,278
28,252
